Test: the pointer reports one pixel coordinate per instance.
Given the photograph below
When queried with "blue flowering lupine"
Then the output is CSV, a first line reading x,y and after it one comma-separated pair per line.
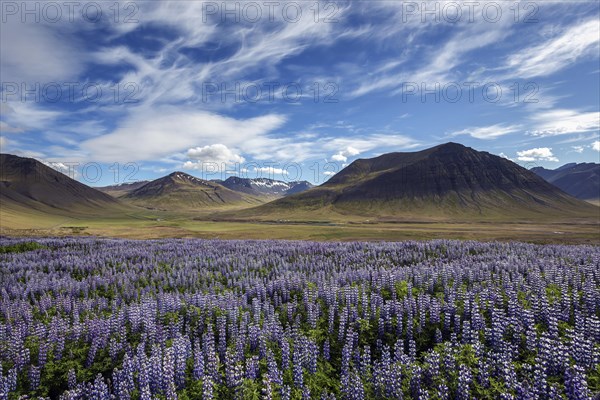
x,y
99,389
167,318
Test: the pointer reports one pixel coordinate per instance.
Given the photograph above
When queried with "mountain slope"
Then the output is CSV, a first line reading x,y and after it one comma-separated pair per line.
x,y
27,184
578,180
182,191
121,189
265,186
447,181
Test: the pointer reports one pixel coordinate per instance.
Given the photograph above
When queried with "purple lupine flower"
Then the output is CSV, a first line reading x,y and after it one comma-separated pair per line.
x,y
71,379
326,350
252,368
576,385
99,389
198,371
207,388
233,373
267,389
464,383
34,377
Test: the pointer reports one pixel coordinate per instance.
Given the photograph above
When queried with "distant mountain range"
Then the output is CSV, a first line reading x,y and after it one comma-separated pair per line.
x,y
121,189
445,181
180,190
265,186
448,182
578,180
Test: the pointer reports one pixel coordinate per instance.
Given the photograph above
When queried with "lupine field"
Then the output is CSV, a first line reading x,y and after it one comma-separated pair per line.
x,y
191,319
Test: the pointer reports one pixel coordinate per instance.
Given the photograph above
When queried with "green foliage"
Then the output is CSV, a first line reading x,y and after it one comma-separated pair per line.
x,y
21,247
554,293
402,289
192,391
594,379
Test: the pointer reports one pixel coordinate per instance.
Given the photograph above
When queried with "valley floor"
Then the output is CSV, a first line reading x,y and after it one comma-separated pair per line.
x,y
148,225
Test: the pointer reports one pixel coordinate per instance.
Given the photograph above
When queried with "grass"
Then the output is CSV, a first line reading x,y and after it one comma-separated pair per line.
x,y
144,224
298,223
21,247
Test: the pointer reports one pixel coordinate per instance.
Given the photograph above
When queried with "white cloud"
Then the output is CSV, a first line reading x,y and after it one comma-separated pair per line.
x,y
488,132
21,116
39,52
505,156
596,145
270,172
329,173
69,170
364,143
439,63
150,133
154,129
3,143
6,128
577,149
537,154
215,153
173,76
579,40
343,155
212,157
564,121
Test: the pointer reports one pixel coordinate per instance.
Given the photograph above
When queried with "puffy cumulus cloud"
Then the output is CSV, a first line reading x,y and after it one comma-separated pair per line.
x,y
214,153
342,156
537,154
596,145
67,169
505,156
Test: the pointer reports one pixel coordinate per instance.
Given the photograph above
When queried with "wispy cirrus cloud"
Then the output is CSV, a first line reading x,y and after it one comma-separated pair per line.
x,y
564,121
548,57
487,132
369,52
151,133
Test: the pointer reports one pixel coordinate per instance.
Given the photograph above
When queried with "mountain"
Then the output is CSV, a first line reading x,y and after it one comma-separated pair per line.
x,y
447,181
28,185
578,180
265,186
182,191
121,189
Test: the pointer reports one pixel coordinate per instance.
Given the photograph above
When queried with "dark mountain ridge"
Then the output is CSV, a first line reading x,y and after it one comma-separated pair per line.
x,y
121,189
180,190
579,180
446,180
28,182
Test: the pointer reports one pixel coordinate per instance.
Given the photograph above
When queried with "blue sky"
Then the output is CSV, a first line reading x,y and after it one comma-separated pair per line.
x,y
294,89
